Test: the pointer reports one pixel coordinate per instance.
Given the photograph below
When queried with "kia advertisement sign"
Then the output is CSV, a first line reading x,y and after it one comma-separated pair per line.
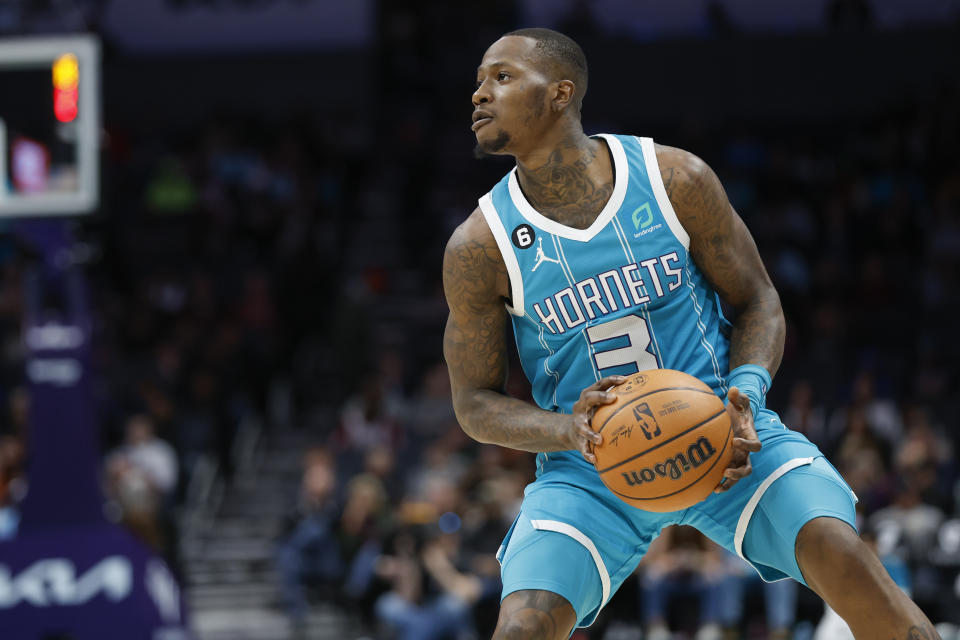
x,y
87,583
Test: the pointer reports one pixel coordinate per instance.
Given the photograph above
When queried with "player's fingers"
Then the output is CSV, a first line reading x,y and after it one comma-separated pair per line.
x,y
739,471
739,400
596,398
609,381
737,415
587,453
732,475
735,473
747,444
723,485
591,436
592,398
582,422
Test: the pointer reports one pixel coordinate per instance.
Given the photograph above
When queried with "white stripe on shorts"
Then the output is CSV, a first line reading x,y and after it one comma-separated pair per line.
x,y
748,510
576,534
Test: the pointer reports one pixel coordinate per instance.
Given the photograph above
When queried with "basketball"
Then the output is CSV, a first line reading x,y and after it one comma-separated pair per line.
x,y
666,440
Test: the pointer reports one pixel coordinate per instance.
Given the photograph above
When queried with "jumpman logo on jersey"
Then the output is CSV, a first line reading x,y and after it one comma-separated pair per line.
x,y
541,256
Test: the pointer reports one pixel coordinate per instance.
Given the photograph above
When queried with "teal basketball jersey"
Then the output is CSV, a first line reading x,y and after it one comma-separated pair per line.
x,y
618,297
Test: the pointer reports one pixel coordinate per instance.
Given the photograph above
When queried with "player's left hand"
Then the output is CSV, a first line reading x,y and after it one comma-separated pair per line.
x,y
745,440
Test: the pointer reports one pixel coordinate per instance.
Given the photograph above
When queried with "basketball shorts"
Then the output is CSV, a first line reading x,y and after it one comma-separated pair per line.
x,y
575,538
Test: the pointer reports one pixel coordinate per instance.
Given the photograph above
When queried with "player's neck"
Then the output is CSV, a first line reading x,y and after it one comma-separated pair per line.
x,y
567,139
568,179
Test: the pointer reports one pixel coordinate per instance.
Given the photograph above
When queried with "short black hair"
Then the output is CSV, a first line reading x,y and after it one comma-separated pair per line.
x,y
564,54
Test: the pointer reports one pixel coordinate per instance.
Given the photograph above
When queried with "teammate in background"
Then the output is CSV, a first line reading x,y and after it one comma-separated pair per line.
x,y
644,241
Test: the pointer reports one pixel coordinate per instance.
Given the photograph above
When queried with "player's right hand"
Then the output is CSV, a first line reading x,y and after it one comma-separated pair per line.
x,y
582,437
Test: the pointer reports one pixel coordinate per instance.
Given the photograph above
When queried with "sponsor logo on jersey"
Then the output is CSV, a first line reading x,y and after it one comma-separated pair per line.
x,y
642,216
542,257
644,232
674,467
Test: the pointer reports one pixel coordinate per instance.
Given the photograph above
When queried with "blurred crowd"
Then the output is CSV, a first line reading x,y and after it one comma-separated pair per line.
x,y
241,254
399,513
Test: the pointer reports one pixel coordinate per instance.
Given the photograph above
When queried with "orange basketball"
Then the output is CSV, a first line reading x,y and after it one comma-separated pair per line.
x,y
666,440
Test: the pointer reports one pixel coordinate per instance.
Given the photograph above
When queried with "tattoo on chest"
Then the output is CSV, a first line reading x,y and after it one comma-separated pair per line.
x,y
565,192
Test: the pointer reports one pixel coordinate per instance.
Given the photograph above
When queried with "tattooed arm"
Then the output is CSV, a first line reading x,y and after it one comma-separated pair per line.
x,y
726,254
476,285
724,251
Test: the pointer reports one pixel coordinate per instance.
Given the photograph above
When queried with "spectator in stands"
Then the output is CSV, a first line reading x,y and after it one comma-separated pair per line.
x,y
805,415
137,503
908,520
681,562
431,409
863,460
779,599
430,596
366,423
881,414
141,477
153,457
927,453
365,521
380,464
310,552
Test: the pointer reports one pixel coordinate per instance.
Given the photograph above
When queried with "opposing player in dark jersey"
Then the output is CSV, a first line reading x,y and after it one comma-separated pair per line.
x,y
608,255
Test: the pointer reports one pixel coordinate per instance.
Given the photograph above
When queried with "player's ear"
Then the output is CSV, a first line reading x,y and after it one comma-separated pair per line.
x,y
563,95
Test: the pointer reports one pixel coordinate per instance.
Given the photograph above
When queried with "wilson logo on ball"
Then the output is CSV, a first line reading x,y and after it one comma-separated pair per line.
x,y
644,417
674,467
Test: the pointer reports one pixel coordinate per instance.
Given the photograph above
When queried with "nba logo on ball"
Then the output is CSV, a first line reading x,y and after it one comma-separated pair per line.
x,y
686,443
646,421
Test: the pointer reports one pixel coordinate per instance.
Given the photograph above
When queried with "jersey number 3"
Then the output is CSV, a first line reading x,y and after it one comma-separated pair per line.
x,y
634,329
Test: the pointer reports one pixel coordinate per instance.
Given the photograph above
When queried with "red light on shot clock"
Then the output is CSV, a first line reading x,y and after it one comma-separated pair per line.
x,y
66,78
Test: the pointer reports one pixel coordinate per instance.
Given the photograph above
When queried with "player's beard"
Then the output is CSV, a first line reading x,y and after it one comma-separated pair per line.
x,y
482,150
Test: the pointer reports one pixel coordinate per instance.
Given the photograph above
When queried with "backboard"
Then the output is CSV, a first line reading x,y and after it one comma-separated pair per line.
x,y
49,125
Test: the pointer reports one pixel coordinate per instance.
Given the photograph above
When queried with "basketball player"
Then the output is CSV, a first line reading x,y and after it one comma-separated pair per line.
x,y
608,254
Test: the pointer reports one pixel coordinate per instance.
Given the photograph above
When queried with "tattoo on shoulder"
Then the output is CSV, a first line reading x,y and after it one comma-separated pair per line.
x,y
470,267
474,340
691,187
667,175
